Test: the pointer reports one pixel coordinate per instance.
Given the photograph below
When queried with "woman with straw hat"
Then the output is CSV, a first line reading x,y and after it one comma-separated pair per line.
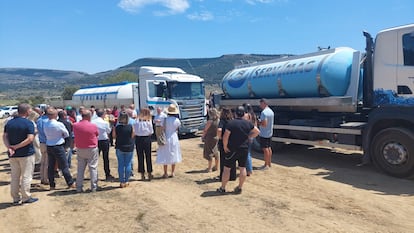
x,y
170,153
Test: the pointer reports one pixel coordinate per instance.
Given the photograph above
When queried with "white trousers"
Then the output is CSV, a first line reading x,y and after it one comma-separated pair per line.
x,y
21,177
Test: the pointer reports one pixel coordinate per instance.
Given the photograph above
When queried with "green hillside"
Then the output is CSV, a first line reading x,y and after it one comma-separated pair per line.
x,y
25,82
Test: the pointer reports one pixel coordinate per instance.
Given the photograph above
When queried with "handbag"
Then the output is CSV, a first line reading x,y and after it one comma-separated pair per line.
x,y
160,132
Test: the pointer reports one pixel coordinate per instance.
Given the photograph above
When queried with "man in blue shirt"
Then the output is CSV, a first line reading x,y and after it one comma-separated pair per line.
x,y
18,137
266,132
43,149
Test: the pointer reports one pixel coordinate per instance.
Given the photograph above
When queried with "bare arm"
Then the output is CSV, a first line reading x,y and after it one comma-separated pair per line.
x,y
263,122
219,130
226,140
114,133
12,148
6,140
208,124
254,132
133,133
7,144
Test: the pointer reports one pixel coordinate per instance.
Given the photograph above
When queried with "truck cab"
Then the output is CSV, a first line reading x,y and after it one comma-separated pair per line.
x,y
162,86
393,61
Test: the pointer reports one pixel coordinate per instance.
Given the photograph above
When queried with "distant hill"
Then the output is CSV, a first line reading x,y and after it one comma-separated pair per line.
x,y
26,82
17,82
211,69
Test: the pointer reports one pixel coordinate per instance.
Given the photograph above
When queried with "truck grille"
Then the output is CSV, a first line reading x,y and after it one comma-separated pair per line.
x,y
192,115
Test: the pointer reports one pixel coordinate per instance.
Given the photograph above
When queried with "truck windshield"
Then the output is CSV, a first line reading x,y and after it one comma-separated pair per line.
x,y
186,90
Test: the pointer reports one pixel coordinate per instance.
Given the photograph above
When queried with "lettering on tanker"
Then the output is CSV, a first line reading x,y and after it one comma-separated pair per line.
x,y
236,78
284,69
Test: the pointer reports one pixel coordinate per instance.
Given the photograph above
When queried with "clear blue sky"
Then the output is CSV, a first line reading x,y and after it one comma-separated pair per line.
x,y
100,35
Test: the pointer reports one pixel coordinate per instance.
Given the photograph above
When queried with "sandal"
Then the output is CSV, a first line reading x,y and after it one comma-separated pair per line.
x,y
172,175
165,176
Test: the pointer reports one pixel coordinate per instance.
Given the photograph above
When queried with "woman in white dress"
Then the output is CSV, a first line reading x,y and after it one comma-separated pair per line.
x,y
170,153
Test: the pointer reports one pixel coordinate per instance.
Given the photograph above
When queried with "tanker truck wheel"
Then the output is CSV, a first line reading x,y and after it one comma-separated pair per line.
x,y
392,151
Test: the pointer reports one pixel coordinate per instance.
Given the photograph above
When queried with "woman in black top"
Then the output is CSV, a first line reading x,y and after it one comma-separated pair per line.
x,y
225,116
124,145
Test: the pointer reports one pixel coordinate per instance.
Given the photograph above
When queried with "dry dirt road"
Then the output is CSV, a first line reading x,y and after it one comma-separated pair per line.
x,y
306,190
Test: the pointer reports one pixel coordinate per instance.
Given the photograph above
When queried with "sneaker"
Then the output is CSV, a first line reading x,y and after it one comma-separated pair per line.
x,y
30,200
264,168
15,203
109,178
237,190
221,190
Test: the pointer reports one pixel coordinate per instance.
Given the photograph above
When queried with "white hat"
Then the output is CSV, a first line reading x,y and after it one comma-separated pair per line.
x,y
172,109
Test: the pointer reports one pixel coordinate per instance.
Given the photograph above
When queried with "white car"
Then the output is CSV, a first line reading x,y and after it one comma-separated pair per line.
x,y
7,111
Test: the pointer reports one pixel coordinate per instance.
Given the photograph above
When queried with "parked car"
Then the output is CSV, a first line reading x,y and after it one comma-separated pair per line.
x,y
7,111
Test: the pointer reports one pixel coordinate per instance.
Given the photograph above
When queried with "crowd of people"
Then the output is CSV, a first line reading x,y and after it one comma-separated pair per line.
x,y
52,137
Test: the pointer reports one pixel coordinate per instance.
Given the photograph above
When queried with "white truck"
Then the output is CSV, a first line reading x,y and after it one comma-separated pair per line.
x,y
162,86
156,87
340,98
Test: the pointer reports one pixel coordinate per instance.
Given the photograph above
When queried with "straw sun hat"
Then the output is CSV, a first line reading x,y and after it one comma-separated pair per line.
x,y
172,109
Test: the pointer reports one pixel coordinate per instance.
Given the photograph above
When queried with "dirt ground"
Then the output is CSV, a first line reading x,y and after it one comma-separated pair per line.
x,y
307,189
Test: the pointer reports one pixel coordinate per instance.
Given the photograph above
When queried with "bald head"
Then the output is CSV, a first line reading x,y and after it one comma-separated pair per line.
x,y
51,113
86,115
24,109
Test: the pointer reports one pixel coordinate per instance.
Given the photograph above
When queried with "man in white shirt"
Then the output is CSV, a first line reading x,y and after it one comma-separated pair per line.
x,y
159,122
93,111
134,113
79,116
103,141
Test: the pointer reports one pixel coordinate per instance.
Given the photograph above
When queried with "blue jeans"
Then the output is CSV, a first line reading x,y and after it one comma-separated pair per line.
x,y
249,165
124,165
69,157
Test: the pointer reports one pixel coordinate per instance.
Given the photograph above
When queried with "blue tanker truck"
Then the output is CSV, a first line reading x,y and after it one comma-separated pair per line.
x,y
340,98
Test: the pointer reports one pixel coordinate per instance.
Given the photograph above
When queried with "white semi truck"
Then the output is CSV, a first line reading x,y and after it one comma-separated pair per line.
x,y
156,87
162,86
340,98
